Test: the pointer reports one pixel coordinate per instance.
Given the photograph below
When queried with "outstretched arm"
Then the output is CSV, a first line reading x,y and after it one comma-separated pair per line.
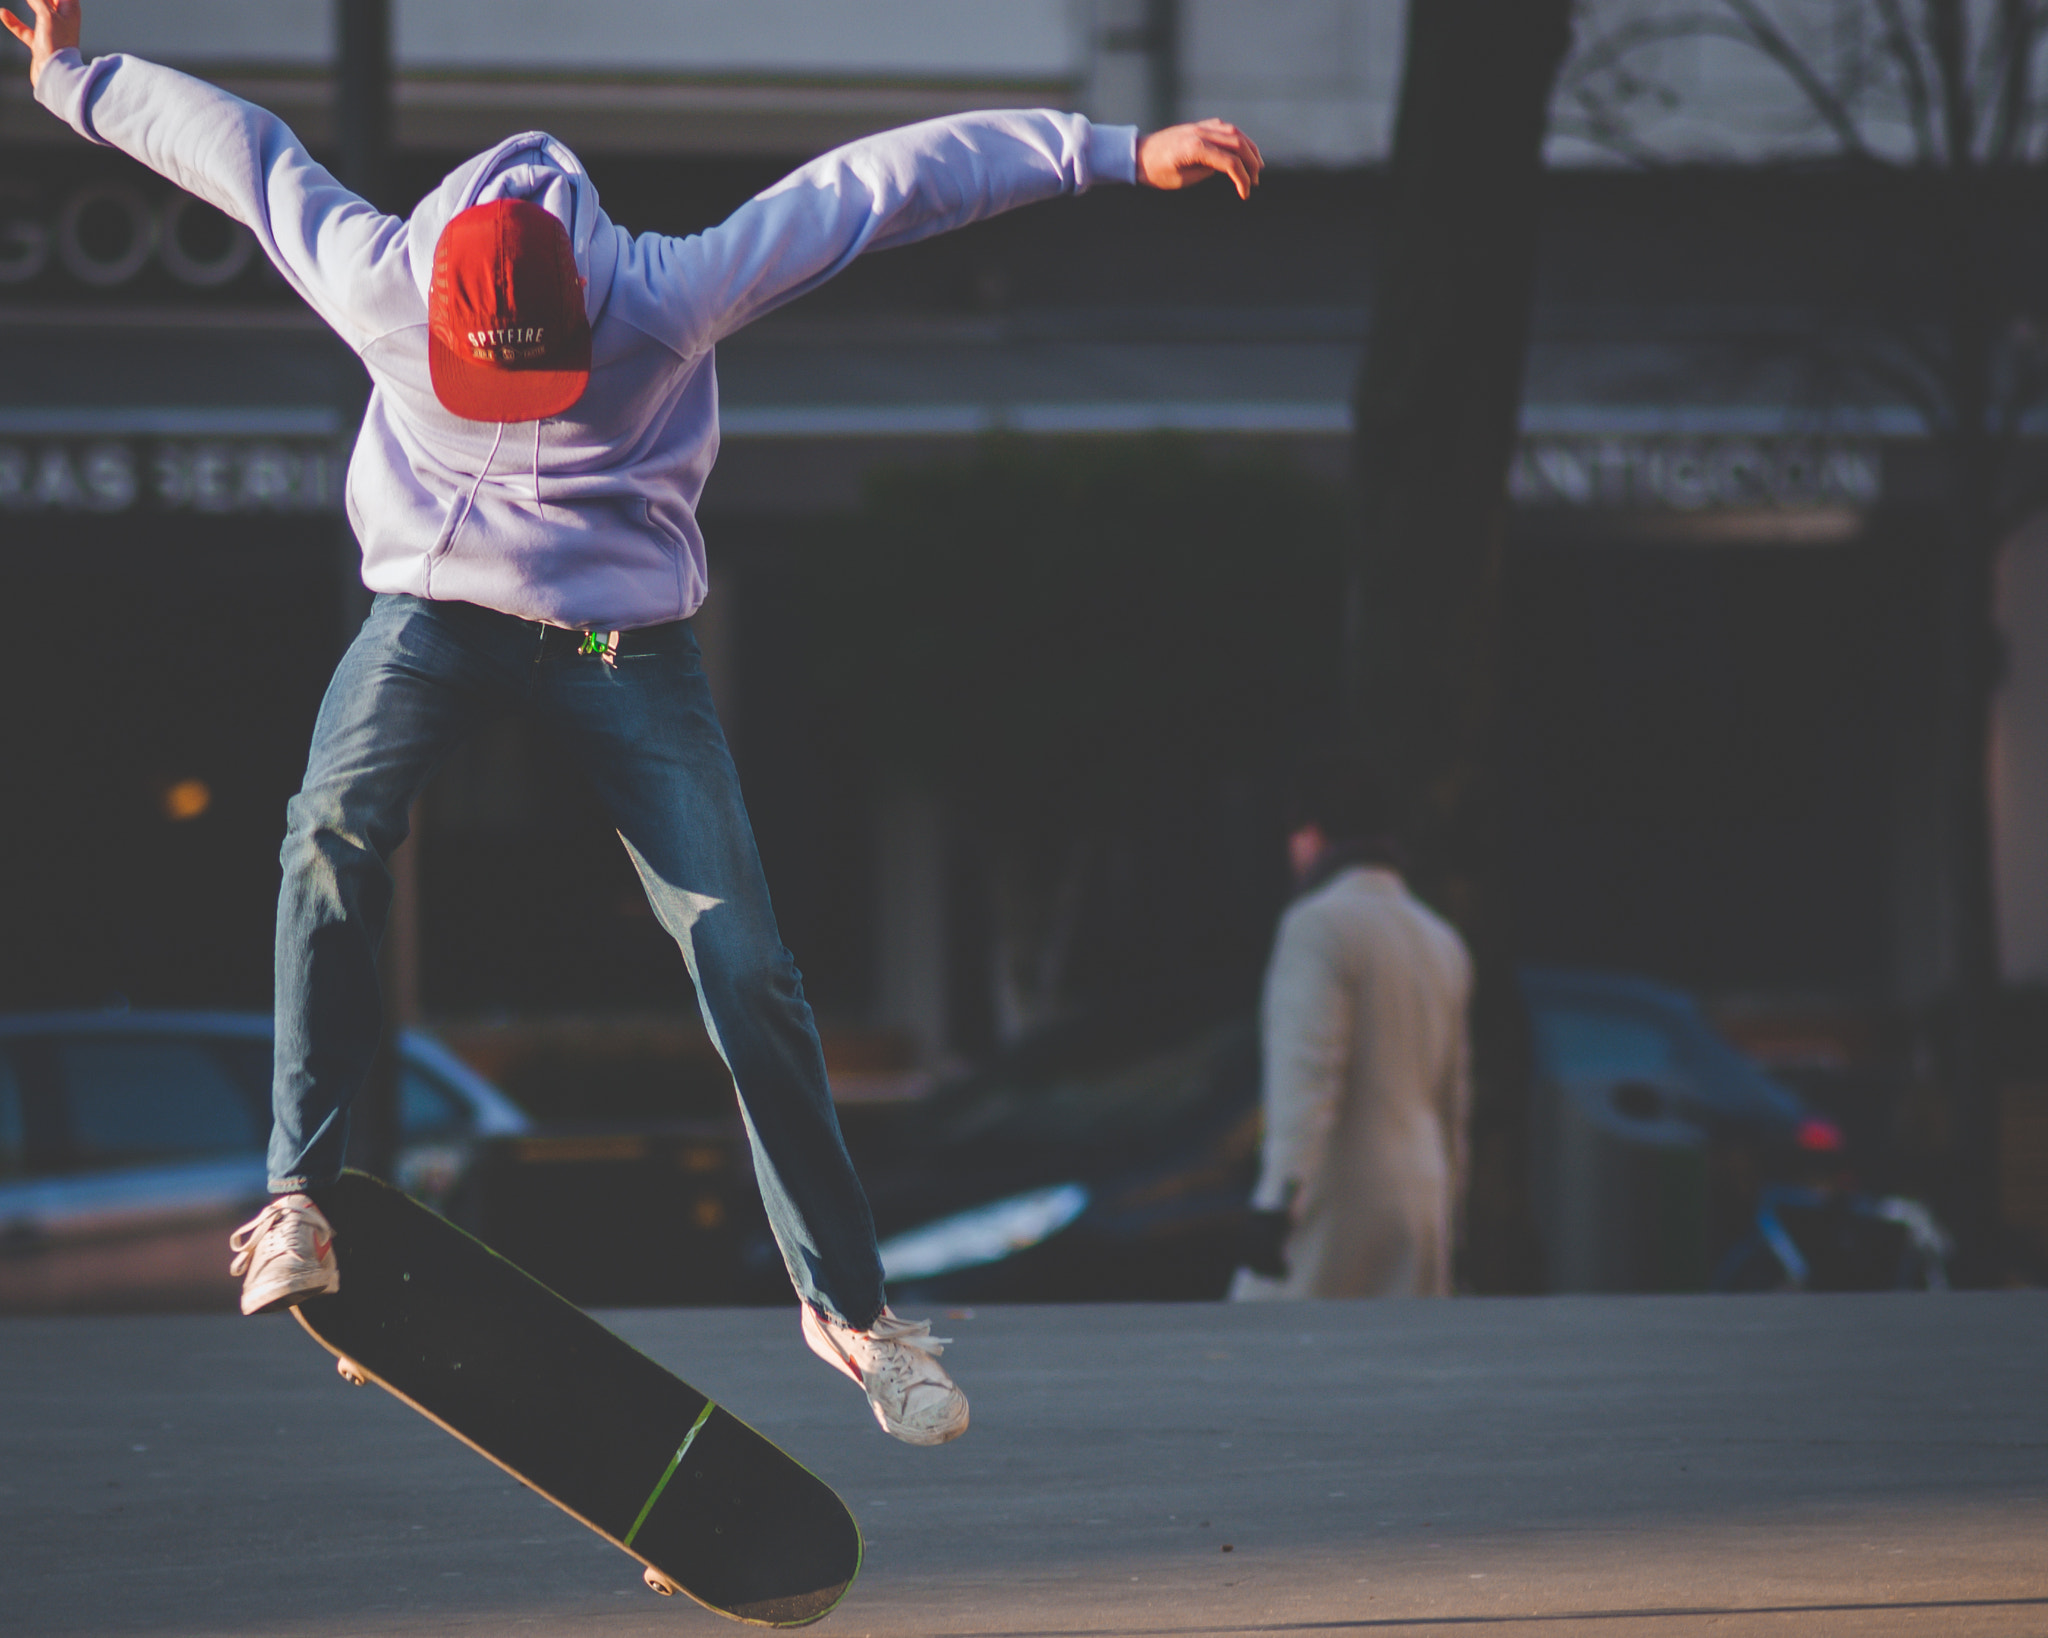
x,y
239,158
910,184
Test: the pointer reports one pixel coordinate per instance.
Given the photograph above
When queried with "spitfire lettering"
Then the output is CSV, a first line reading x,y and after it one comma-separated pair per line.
x,y
522,344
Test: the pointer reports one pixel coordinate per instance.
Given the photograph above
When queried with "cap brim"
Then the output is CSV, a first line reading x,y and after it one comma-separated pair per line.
x,y
489,392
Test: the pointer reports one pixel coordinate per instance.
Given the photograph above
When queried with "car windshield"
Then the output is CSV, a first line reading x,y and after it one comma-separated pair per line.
x,y
1099,1108
1603,1041
135,1102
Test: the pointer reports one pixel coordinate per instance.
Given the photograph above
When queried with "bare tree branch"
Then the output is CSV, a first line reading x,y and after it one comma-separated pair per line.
x,y
1948,35
1606,52
1906,368
2017,23
2037,35
1765,35
1602,125
1900,41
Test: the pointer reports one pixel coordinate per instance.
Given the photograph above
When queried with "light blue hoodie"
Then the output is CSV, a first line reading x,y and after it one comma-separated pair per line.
x,y
587,520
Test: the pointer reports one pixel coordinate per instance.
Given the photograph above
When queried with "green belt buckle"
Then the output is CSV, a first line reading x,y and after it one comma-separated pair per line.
x,y
593,644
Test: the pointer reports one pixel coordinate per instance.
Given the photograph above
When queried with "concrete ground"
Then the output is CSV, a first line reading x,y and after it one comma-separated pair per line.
x,y
1621,1467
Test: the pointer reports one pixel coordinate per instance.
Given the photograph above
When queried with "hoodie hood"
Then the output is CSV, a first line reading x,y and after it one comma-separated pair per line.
x,y
535,167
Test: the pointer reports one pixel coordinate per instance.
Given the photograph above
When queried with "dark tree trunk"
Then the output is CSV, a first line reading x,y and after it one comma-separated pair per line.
x,y
1968,669
1967,661
362,94
1436,412
362,131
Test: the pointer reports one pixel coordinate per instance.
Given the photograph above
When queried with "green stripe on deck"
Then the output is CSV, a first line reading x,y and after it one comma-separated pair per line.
x,y
669,1472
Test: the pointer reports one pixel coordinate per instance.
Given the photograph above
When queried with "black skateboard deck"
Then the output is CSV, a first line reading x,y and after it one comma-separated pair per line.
x,y
710,1507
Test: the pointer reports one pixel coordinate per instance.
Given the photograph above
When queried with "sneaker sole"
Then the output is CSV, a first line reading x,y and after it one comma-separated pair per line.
x,y
292,1295
923,1437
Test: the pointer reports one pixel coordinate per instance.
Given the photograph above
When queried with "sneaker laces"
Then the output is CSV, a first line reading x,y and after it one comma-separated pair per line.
x,y
243,1241
915,1334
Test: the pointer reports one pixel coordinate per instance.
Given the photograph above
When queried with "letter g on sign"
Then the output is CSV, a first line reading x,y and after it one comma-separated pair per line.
x,y
105,234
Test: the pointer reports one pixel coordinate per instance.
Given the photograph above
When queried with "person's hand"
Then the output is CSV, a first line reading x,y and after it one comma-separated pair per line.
x,y
1262,1242
55,29
1182,155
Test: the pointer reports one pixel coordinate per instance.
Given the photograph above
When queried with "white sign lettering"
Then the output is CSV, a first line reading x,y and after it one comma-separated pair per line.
x,y
104,234
1693,474
211,475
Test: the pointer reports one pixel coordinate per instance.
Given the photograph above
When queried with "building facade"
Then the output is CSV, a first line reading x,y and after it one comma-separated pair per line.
x,y
1718,570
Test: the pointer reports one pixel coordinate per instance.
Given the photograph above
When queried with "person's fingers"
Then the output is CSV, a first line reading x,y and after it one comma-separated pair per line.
x,y
16,27
1221,138
1232,164
1222,130
1246,157
1187,154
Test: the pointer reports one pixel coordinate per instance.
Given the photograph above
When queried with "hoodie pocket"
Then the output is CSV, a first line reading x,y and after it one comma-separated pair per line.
x,y
453,516
678,551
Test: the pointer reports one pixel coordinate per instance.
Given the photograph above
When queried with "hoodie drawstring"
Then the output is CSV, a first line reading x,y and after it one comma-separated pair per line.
x,y
469,505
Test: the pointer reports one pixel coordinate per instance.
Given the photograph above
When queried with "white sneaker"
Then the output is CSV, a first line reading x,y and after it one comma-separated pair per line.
x,y
284,1254
897,1363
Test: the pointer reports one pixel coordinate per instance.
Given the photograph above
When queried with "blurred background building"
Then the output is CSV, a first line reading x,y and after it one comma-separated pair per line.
x,y
1719,623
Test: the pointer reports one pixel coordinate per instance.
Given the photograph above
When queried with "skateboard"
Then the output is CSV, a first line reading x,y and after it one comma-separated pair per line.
x,y
709,1507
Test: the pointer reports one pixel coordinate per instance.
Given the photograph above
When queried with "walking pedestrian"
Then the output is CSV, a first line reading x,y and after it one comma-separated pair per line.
x,y
1364,1059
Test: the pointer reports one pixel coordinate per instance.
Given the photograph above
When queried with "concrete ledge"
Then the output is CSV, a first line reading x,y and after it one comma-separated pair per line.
x,y
1613,1466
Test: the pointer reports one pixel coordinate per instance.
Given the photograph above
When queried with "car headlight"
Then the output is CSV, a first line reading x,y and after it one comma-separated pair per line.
x,y
986,1234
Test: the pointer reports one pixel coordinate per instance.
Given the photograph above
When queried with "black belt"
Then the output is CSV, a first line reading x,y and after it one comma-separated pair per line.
x,y
562,642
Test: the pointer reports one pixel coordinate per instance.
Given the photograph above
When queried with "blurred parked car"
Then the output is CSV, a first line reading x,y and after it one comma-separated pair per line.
x,y
132,1143
1650,1135
1113,1159
1107,1160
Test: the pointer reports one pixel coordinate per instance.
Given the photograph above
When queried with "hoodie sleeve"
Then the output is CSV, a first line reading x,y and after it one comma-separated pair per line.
x,y
885,190
242,160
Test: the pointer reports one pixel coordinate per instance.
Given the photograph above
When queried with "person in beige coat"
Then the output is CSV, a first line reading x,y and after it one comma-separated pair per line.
x,y
1366,1060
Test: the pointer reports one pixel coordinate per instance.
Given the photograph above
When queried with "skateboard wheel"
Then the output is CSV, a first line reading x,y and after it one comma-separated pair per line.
x,y
351,1373
659,1582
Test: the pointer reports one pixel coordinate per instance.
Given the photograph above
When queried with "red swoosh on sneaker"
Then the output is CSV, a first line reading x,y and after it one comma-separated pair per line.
x,y
321,1247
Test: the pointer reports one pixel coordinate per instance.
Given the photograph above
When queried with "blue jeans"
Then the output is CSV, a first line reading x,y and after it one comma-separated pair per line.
x,y
418,679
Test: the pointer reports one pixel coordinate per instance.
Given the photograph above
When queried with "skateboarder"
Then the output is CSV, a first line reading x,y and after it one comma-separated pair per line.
x,y
525,489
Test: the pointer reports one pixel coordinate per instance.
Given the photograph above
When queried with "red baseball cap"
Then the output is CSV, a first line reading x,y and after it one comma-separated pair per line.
x,y
507,337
